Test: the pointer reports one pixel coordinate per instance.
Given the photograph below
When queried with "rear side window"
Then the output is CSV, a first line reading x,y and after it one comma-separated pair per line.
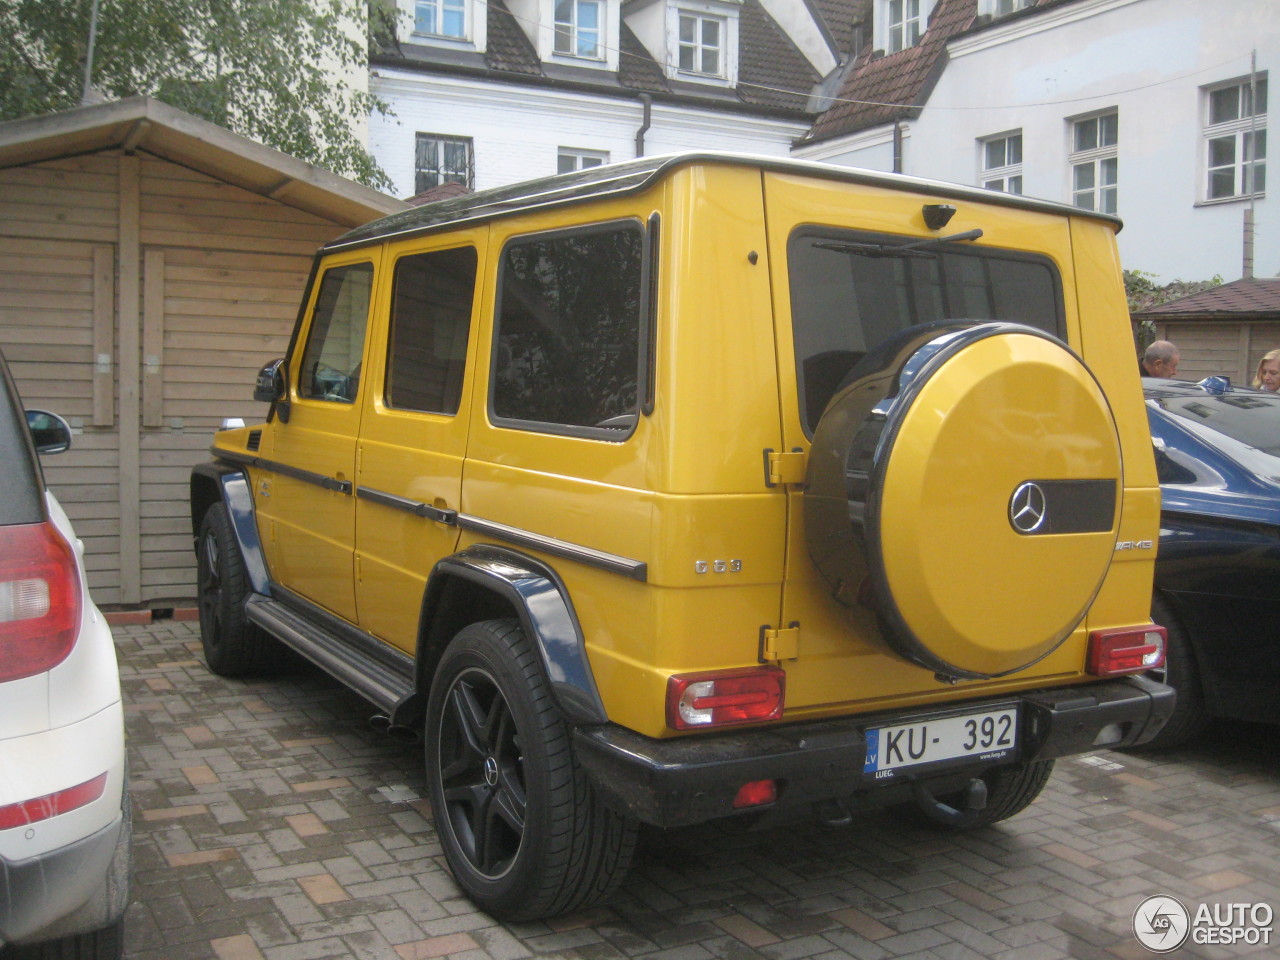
x,y
431,302
567,343
21,489
335,342
852,291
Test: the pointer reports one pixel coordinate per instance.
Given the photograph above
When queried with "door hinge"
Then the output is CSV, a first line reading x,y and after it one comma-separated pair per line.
x,y
780,468
779,643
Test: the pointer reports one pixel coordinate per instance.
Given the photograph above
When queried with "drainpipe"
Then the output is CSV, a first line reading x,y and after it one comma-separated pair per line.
x,y
88,59
647,101
897,146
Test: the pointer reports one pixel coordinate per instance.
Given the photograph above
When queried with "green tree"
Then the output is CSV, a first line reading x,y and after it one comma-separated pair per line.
x,y
276,71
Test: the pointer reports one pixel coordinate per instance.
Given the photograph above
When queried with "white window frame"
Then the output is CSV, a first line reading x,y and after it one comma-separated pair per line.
x,y
581,159
444,175
900,24
726,12
569,33
1243,133
1006,176
996,9
1094,160
697,47
437,12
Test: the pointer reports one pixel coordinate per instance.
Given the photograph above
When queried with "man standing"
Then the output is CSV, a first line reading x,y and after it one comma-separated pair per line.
x,y
1160,360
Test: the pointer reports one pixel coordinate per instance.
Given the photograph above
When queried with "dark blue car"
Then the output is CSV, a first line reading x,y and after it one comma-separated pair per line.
x,y
1218,569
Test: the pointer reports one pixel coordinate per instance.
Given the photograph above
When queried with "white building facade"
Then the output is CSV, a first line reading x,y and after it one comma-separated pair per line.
x,y
1156,110
491,92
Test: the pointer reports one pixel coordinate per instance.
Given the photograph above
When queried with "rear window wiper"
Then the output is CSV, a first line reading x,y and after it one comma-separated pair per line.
x,y
912,248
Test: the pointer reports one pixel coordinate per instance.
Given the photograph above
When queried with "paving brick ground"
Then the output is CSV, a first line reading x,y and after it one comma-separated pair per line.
x,y
273,824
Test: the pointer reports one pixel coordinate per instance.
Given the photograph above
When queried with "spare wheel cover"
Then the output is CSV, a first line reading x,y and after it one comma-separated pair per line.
x,y
994,501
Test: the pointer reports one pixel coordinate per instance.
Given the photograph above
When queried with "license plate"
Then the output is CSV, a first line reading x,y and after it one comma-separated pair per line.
x,y
990,734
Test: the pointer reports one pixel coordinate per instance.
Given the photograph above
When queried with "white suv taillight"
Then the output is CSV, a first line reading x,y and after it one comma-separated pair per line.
x,y
39,599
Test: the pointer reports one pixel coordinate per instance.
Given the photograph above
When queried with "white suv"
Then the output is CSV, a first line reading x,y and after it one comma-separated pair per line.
x,y
64,815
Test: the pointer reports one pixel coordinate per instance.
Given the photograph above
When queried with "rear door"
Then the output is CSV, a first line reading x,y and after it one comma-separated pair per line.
x,y
414,435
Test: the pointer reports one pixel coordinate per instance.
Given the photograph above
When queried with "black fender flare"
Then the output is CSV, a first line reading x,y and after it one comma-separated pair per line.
x,y
542,605
216,480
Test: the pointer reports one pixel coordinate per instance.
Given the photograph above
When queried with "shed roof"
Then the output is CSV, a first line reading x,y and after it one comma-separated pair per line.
x,y
142,123
1252,298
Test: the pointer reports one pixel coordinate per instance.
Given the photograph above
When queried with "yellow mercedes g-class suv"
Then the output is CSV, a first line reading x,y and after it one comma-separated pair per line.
x,y
702,486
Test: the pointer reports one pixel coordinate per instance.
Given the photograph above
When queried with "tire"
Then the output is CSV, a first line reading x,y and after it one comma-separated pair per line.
x,y
524,834
1010,790
233,647
1189,717
104,944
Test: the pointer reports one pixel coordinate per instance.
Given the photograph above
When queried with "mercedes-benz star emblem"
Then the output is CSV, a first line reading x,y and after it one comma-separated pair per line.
x,y
1027,508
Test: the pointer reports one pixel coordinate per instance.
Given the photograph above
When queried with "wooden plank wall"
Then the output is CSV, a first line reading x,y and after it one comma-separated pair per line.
x,y
197,282
58,230
1220,348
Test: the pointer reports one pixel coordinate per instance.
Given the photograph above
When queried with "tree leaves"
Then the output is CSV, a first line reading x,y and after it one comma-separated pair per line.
x,y
288,73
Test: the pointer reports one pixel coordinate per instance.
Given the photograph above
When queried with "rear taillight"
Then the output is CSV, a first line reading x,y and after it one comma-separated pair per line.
x,y
42,808
696,701
1131,650
39,599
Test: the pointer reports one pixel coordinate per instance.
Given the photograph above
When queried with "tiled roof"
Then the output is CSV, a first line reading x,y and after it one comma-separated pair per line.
x,y
1257,297
443,191
636,68
508,47
882,89
770,65
841,16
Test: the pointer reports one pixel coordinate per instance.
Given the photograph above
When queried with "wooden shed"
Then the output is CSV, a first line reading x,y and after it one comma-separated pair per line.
x,y
150,263
1224,330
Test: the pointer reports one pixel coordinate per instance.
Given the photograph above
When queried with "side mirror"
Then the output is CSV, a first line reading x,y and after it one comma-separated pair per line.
x,y
50,432
271,386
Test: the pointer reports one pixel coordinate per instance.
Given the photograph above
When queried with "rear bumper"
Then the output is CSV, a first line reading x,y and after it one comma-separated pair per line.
x,y
693,779
70,890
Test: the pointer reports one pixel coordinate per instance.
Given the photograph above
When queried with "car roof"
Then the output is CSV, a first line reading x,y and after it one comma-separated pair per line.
x,y
633,176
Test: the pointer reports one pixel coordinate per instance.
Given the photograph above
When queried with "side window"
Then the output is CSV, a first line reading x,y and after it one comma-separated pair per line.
x,y
567,339
851,292
430,322
335,344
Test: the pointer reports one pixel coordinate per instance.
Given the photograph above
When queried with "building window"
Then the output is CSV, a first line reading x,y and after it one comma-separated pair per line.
x,y
441,160
702,44
578,26
1235,137
441,18
570,159
1006,7
1002,162
1094,164
904,24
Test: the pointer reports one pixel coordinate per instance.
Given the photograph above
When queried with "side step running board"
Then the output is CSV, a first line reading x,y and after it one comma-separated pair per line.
x,y
373,674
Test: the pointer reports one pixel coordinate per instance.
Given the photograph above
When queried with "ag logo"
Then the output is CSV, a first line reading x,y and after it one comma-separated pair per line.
x,y
1161,924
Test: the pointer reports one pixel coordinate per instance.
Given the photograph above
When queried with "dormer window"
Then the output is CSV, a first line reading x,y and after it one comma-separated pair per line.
x,y
440,18
900,24
579,24
702,44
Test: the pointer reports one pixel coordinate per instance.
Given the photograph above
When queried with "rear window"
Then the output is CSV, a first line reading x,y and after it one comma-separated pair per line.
x,y
851,291
20,490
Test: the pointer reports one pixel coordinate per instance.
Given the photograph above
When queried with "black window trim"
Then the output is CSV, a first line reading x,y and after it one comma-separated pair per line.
x,y
643,323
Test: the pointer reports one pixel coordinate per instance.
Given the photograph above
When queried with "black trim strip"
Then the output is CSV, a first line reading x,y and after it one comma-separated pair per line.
x,y
285,470
635,569
417,508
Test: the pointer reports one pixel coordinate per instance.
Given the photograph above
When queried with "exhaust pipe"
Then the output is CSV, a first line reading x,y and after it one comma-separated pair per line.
x,y
382,723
